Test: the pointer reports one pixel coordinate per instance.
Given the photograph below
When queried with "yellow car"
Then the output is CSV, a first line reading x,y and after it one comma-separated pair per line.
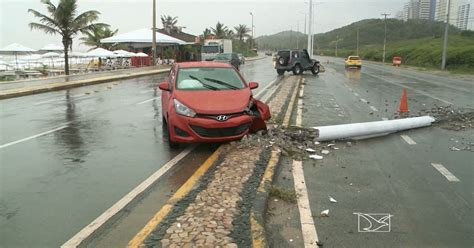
x,y
353,61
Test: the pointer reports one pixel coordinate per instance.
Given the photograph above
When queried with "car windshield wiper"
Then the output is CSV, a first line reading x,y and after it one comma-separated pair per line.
x,y
208,86
222,83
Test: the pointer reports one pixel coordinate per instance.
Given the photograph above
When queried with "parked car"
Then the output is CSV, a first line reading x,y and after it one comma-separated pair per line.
x,y
353,61
297,61
231,58
209,102
241,58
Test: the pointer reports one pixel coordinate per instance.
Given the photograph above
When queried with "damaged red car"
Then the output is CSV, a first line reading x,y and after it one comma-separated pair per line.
x,y
209,102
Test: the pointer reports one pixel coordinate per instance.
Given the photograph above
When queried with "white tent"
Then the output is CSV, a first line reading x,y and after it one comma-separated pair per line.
x,y
141,55
144,35
124,54
52,47
15,49
51,55
100,52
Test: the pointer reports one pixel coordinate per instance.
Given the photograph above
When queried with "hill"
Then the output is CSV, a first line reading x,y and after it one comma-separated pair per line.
x,y
419,42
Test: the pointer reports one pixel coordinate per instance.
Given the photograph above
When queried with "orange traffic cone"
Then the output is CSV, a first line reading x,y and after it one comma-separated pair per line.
x,y
403,108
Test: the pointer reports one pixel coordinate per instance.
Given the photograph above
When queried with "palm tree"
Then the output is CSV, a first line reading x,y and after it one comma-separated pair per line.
x,y
220,31
242,31
169,22
229,34
94,36
206,33
63,20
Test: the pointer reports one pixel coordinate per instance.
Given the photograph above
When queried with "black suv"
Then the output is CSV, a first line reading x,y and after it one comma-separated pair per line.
x,y
297,61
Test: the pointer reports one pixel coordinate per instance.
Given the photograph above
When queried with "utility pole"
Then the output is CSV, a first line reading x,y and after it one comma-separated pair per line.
x,y
337,40
251,40
153,46
357,41
297,34
384,36
445,42
310,31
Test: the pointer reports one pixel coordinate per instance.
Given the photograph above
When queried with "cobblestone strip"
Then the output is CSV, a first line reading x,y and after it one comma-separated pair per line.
x,y
207,221
212,217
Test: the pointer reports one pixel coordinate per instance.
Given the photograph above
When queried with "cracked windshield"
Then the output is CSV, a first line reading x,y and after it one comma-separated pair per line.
x,y
236,123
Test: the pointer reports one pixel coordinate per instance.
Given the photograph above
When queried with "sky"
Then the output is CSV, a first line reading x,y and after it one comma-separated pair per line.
x,y
270,16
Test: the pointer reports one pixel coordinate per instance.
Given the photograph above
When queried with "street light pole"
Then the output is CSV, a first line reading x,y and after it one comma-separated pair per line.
x,y
153,46
384,36
357,41
445,42
251,40
337,40
310,31
297,32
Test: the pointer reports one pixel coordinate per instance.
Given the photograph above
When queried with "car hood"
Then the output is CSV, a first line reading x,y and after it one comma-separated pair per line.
x,y
215,102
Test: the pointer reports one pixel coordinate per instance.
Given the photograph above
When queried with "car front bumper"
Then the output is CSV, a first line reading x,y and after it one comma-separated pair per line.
x,y
204,129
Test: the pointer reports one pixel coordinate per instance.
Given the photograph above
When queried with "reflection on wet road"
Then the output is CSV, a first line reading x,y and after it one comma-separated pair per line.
x,y
74,153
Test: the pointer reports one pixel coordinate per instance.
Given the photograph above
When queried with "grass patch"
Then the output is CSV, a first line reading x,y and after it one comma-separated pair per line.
x,y
285,194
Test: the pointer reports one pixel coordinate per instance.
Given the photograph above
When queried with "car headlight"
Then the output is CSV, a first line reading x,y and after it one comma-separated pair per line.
x,y
183,109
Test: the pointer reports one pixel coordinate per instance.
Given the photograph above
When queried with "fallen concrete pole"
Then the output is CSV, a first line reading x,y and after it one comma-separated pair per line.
x,y
371,129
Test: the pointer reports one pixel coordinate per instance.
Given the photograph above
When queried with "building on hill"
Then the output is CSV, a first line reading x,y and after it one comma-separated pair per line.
x,y
419,9
463,16
442,9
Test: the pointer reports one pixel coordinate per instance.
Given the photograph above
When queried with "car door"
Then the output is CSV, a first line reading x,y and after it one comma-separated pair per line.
x,y
305,60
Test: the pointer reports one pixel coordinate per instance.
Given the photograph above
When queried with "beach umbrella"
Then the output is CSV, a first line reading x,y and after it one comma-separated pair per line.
x,y
15,49
124,54
51,55
52,48
141,55
100,52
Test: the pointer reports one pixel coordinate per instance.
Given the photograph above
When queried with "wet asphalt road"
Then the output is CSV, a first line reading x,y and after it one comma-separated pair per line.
x,y
384,174
100,142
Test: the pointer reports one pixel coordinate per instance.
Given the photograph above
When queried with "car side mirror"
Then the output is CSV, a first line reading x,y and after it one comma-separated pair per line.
x,y
253,85
164,86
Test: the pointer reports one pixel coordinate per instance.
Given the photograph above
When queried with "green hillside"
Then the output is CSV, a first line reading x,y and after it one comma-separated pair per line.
x,y
418,42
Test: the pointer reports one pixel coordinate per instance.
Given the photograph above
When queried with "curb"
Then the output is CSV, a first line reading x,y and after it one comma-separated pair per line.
x,y
74,84
254,59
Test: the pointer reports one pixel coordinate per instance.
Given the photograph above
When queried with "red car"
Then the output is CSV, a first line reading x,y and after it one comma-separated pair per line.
x,y
209,102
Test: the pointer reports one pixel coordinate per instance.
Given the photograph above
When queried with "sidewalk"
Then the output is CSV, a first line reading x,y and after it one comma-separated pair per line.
x,y
35,86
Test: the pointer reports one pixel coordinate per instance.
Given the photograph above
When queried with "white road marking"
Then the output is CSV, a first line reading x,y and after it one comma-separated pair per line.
x,y
363,100
32,137
356,94
299,111
263,91
407,139
146,91
415,90
445,172
90,229
374,108
149,100
310,236
384,118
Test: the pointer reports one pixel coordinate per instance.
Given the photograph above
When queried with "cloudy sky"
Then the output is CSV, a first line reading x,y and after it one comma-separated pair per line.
x,y
270,16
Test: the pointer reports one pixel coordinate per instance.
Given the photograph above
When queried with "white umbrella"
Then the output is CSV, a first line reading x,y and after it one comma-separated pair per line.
x,y
16,49
100,52
124,54
144,35
141,55
77,54
51,55
52,47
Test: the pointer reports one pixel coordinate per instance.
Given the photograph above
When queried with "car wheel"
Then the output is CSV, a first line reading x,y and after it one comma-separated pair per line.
x,y
297,70
315,70
167,133
280,72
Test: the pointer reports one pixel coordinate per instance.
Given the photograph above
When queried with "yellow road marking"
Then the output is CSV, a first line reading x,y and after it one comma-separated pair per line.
x,y
268,174
286,120
258,240
182,192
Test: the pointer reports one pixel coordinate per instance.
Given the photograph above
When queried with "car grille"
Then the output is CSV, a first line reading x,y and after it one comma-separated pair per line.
x,y
220,132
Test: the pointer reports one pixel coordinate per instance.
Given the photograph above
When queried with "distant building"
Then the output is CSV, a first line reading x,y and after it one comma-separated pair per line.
x,y
419,9
442,11
463,16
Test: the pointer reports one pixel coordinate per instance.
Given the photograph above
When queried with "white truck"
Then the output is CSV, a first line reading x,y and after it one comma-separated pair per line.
x,y
212,47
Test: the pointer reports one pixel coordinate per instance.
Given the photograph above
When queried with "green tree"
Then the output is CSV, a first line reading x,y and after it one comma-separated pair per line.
x,y
94,36
220,31
229,34
63,20
242,31
206,33
169,22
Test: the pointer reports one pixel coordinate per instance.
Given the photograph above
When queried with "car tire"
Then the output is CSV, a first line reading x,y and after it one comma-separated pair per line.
x,y
297,70
167,133
315,70
280,72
